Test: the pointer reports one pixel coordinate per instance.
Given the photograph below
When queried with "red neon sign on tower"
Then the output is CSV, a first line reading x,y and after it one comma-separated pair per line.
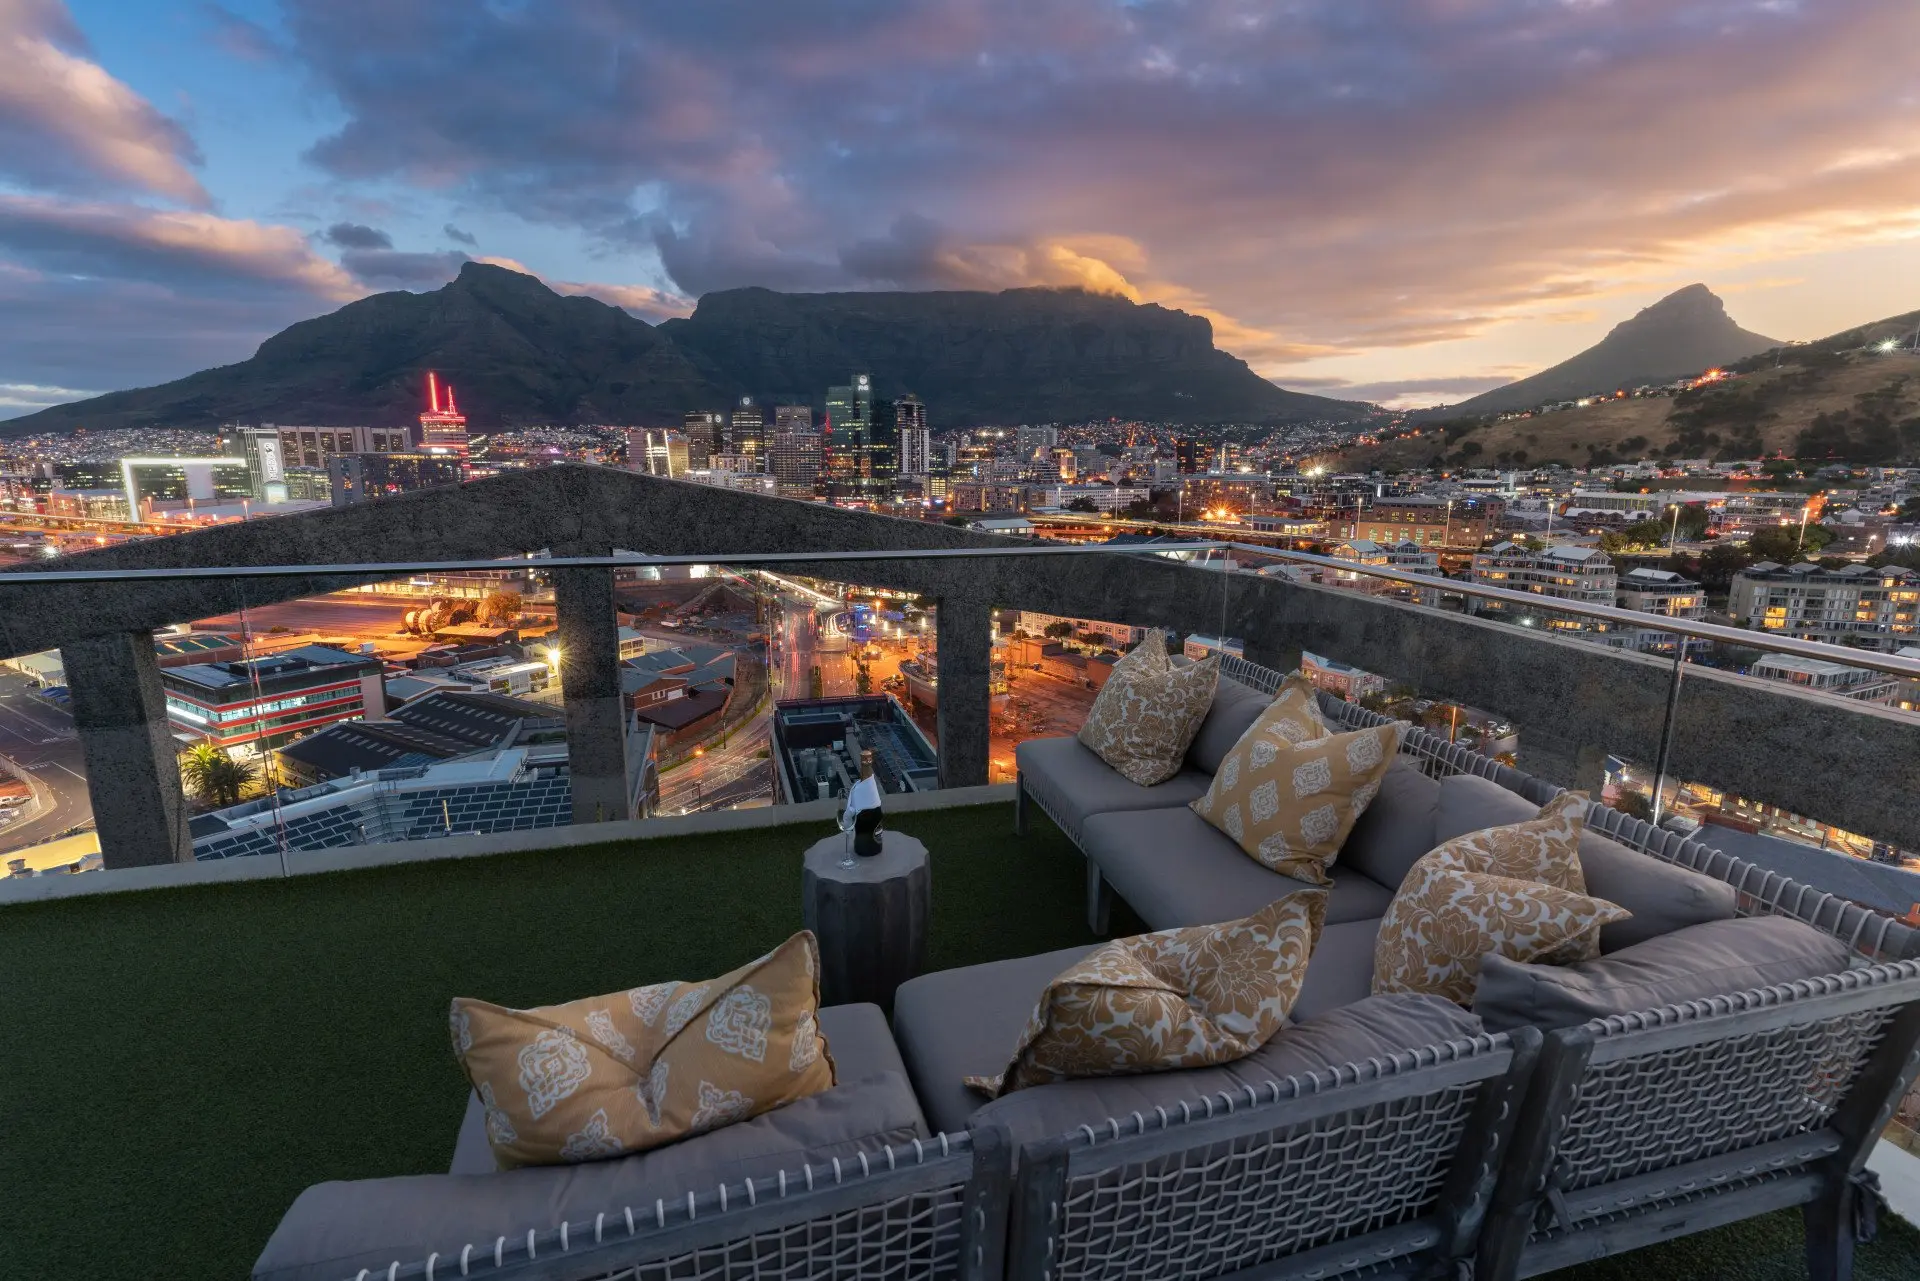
x,y
442,431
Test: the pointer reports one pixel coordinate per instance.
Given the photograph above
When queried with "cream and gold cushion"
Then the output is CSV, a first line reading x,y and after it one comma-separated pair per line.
x,y
1149,710
632,1070
1517,890
1289,801
1171,999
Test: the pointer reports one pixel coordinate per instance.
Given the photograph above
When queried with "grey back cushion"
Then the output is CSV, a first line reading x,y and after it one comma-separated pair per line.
x,y
1235,708
336,1229
1662,897
1717,958
1371,1028
1396,829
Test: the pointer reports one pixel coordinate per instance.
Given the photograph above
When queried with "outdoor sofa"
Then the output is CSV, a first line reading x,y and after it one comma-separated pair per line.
x,y
1394,1135
1638,1126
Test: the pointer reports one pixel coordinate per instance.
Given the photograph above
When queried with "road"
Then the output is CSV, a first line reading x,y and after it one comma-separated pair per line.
x,y
39,738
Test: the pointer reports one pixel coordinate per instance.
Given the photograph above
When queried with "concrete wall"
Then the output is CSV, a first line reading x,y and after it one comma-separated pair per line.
x,y
1573,702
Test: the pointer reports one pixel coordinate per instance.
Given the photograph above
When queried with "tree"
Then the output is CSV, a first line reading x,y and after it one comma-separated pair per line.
x,y
1635,805
1081,504
501,608
1060,629
862,679
216,777
816,683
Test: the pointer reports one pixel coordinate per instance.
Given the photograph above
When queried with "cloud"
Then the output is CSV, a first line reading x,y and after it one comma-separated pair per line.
x,y
68,126
1409,393
353,235
242,37
458,236
649,304
176,247
1323,176
24,398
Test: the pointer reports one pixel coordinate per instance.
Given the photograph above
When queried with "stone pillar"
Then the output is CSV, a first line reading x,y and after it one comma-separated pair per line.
x,y
964,639
589,641
133,771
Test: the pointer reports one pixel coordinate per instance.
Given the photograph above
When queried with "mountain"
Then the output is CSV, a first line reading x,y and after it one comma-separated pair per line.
x,y
519,354
1685,332
1023,355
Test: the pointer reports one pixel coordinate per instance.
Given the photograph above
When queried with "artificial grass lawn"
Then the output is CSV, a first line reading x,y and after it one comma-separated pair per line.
x,y
179,1064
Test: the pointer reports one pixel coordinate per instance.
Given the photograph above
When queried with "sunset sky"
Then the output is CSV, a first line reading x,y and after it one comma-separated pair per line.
x,y
1401,200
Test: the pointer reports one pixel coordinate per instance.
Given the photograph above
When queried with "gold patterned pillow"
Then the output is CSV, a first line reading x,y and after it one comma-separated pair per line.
x,y
1545,848
1445,919
1171,999
1290,802
1149,710
632,1070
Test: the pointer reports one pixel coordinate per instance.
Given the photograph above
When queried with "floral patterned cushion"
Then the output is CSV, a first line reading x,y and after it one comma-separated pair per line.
x,y
1290,790
1178,998
632,1070
1545,848
1517,891
1148,712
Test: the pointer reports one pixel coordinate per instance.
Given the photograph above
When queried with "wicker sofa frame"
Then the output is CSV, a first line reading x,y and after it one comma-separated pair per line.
x,y
1382,1168
1651,1126
930,1210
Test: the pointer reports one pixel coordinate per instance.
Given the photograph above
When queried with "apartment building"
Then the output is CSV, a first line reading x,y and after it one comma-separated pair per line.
x,y
1428,522
1407,558
1566,572
1857,605
1835,679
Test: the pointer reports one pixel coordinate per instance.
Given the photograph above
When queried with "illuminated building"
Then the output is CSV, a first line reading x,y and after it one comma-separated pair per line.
x,y
227,704
795,452
847,430
1430,522
912,443
706,436
271,449
443,432
361,478
747,433
656,451
1853,605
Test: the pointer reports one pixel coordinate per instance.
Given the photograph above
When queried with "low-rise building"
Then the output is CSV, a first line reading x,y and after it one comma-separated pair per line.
x,y
230,704
1856,605
1837,679
1562,572
1428,522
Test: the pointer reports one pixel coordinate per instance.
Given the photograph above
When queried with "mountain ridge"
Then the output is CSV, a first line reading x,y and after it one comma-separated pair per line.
x,y
521,354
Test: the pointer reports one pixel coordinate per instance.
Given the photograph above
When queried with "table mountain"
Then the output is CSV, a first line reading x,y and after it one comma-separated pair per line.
x,y
520,354
1684,333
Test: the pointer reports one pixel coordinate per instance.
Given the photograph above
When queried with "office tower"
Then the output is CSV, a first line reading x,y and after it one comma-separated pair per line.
x,y
706,436
443,429
1188,455
795,455
792,418
656,451
746,435
913,445
847,435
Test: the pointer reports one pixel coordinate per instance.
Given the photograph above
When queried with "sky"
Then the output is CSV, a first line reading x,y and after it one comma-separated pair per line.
x,y
1406,201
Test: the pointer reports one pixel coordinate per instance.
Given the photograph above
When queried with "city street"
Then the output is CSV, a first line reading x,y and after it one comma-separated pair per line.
x,y
38,737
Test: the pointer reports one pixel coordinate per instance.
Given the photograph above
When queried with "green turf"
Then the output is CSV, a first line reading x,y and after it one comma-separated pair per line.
x,y
179,1064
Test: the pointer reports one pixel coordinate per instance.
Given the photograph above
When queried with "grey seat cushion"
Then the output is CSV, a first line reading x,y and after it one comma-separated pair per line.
x,y
1175,868
965,1022
335,1229
1072,783
1396,829
1716,958
959,1023
857,1040
1235,708
1662,897
1372,1028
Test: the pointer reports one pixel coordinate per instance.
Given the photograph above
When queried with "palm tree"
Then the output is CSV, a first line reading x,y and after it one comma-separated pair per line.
x,y
214,776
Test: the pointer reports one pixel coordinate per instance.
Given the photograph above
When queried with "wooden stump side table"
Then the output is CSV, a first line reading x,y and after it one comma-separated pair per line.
x,y
871,918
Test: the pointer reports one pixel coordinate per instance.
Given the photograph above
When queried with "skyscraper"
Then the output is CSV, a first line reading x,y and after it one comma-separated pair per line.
x,y
443,431
656,451
794,452
912,444
746,435
705,430
847,436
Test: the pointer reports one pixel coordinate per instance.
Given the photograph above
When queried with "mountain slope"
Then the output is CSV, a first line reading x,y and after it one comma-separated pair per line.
x,y
1684,333
520,354
1023,355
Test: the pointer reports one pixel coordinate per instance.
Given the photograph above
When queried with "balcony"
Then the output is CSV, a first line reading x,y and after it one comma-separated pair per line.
x,y
184,1061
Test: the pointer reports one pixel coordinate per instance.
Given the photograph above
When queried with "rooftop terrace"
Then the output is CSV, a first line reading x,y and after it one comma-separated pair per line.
x,y
195,1057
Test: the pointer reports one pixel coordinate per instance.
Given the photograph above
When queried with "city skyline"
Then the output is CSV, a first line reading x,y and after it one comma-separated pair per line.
x,y
1407,203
